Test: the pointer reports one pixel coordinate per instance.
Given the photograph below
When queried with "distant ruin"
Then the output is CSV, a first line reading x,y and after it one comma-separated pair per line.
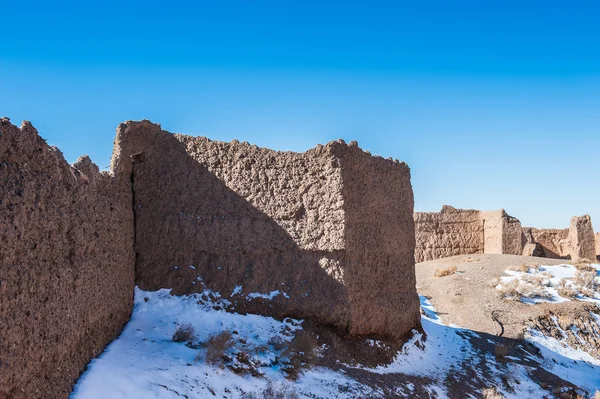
x,y
327,235
577,242
466,231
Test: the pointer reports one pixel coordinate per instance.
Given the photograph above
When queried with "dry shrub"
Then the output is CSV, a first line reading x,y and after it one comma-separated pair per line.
x,y
273,392
515,289
584,265
491,393
586,279
535,280
217,345
566,291
300,354
445,272
184,332
524,268
588,293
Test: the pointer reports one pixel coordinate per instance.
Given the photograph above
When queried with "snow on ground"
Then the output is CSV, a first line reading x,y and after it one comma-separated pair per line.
x,y
144,362
549,284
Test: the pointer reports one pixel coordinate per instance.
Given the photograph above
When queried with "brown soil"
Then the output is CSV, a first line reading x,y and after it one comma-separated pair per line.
x,y
469,298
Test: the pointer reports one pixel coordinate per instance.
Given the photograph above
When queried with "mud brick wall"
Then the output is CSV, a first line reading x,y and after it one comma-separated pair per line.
x,y
328,233
66,264
449,232
575,243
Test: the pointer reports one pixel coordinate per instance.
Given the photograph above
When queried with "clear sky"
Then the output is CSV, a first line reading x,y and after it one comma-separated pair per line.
x,y
493,104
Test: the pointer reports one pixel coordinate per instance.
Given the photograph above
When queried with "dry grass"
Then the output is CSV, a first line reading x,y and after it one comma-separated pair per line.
x,y
583,265
586,279
184,332
491,393
217,345
566,291
445,272
300,354
516,289
273,392
524,268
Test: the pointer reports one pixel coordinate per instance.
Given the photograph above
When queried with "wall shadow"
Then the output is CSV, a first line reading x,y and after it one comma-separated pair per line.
x,y
193,231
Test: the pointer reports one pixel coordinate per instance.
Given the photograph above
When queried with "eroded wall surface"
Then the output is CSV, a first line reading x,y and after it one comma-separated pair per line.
x,y
449,232
577,242
597,236
502,233
327,234
66,264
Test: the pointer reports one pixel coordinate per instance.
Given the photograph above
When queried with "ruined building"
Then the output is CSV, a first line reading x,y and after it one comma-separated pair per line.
x,y
327,234
466,231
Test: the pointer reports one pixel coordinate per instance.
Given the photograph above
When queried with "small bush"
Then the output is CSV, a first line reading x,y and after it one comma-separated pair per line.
x,y
584,265
273,392
566,291
445,272
515,289
300,354
491,393
217,345
586,279
184,332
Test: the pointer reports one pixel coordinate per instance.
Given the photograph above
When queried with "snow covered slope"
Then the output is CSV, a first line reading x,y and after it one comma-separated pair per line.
x,y
442,361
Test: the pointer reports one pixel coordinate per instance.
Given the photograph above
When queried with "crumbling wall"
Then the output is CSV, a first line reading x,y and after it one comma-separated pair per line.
x,y
454,231
576,242
581,238
597,236
66,264
327,233
502,233
447,233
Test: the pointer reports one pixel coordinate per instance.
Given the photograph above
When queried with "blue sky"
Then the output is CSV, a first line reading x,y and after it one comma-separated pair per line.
x,y
492,104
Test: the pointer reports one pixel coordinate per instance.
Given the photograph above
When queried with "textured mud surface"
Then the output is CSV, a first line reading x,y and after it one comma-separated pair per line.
x,y
66,264
327,234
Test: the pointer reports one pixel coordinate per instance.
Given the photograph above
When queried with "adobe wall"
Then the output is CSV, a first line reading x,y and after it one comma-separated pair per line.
x,y
447,233
502,233
597,236
330,230
575,243
66,264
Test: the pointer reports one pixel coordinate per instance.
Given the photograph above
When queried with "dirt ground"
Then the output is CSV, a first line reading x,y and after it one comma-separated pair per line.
x,y
469,299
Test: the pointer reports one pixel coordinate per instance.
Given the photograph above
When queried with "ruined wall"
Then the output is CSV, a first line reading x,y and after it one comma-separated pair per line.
x,y
597,246
502,233
581,237
329,231
66,264
454,231
447,233
576,242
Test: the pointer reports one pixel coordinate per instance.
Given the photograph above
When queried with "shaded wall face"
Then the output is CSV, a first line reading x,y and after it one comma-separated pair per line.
x,y
66,265
448,233
233,217
380,242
